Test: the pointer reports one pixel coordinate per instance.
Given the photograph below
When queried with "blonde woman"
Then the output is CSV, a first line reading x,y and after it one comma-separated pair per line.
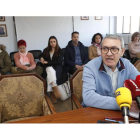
x,y
134,47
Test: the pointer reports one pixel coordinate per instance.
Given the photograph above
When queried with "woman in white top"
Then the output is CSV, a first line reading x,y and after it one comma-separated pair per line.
x,y
54,73
134,47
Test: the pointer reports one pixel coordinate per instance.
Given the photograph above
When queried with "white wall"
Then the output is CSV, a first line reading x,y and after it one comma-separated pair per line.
x,y
37,30
10,40
87,28
112,24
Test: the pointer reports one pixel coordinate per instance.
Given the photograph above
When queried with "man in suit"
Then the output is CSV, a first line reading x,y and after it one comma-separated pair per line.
x,y
75,57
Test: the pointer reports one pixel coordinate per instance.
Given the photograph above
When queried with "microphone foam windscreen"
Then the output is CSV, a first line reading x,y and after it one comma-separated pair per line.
x,y
123,97
132,86
138,80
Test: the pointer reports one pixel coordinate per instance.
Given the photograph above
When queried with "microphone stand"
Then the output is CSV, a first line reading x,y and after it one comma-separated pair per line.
x,y
125,113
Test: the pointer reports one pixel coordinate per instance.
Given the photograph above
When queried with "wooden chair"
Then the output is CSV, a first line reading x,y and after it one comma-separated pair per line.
x,y
23,96
76,89
137,65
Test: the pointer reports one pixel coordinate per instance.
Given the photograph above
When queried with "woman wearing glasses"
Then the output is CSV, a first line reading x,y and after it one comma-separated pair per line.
x,y
95,48
25,61
134,47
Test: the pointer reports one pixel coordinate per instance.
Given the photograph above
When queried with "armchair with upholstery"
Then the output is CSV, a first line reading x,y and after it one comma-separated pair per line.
x,y
76,89
23,96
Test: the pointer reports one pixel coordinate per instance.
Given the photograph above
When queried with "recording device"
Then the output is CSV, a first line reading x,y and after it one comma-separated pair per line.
x,y
100,121
134,87
124,101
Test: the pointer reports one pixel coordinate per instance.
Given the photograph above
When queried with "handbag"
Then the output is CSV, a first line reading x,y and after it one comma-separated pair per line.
x,y
64,90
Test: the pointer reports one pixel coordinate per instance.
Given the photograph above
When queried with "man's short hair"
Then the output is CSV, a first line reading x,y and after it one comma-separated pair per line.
x,y
115,37
75,32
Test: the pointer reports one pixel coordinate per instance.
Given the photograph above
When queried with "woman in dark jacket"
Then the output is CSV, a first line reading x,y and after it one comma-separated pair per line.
x,y
52,58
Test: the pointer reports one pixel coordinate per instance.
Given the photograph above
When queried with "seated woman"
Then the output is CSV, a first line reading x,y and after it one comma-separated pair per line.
x,y
134,47
25,61
95,48
54,73
5,61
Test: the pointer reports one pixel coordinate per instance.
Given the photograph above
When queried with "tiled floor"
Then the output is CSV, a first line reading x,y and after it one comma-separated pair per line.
x,y
63,106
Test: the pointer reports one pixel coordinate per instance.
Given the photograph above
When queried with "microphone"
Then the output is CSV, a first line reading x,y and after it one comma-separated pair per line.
x,y
138,79
132,86
137,95
124,101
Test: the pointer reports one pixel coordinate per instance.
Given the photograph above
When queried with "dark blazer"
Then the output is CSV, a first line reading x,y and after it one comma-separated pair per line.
x,y
69,55
56,63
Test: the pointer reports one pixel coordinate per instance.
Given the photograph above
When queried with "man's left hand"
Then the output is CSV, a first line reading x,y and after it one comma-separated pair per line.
x,y
83,66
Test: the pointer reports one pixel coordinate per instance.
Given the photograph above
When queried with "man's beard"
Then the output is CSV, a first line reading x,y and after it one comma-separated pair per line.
x,y
75,42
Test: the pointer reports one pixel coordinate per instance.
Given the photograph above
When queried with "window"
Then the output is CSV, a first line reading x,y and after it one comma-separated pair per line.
x,y
128,24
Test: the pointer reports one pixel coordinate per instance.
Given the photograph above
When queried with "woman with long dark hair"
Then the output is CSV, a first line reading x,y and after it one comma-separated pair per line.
x,y
54,73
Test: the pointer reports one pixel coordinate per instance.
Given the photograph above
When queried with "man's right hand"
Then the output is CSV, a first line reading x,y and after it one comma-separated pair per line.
x,y
43,61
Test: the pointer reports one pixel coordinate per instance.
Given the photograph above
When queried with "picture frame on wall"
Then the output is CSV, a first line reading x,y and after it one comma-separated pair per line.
x,y
3,30
2,18
98,17
84,17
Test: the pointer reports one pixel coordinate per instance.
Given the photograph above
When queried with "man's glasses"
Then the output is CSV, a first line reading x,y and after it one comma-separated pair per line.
x,y
113,50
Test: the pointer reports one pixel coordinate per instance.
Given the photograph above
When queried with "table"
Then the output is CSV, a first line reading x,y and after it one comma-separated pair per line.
x,y
83,115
